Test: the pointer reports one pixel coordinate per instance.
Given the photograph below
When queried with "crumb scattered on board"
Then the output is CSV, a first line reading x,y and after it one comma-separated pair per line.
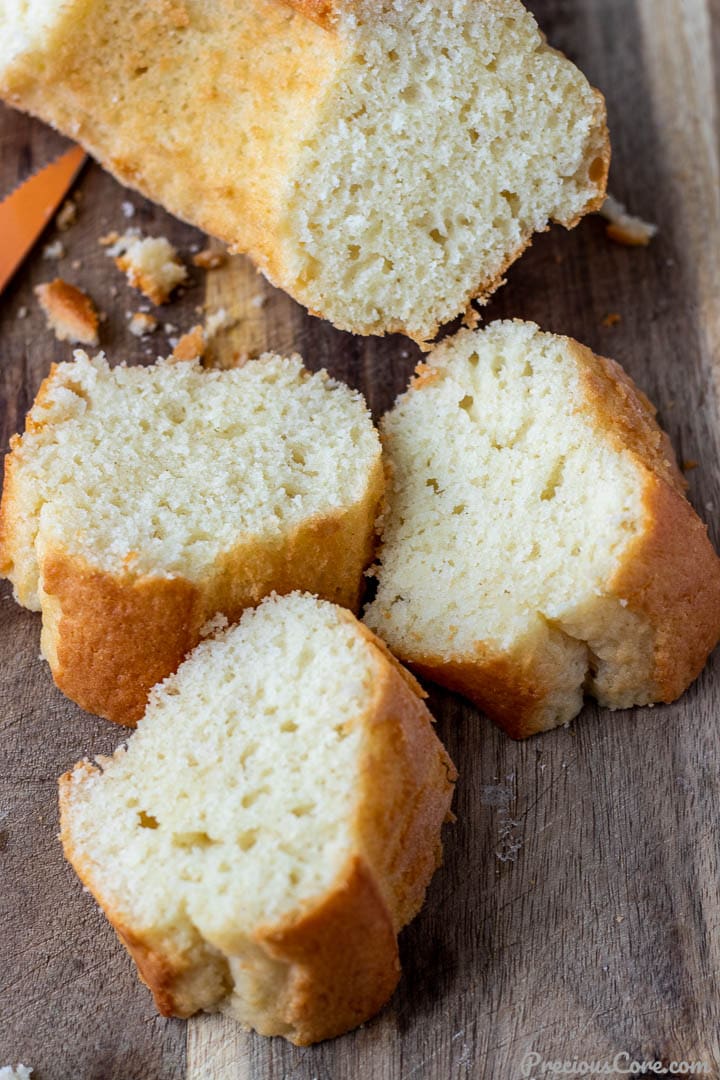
x,y
17,1072
141,323
150,263
207,259
193,345
67,215
612,319
55,250
625,228
70,313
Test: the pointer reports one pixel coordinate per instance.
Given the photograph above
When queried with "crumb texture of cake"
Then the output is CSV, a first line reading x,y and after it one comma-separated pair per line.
x,y
140,502
536,542
384,162
270,826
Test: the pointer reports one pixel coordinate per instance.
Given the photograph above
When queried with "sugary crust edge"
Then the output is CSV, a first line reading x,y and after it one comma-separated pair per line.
x,y
670,576
341,955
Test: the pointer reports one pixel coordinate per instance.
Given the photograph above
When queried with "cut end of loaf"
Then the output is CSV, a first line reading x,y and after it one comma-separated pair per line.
x,y
521,472
234,857
452,135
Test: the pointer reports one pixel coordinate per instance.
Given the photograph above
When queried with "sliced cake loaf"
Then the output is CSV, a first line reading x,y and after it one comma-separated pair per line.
x,y
271,826
142,501
536,541
384,163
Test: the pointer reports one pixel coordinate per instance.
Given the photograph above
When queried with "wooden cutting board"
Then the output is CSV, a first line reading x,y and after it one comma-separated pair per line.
x,y
577,914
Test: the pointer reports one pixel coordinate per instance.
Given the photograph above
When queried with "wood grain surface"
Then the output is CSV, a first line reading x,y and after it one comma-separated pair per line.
x,y
577,914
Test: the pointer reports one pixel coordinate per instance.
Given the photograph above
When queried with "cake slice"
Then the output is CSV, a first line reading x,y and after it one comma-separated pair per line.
x,y
536,542
384,162
271,825
142,501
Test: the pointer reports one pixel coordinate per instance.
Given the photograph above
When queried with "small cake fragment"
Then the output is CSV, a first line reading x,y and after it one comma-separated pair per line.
x,y
150,263
70,312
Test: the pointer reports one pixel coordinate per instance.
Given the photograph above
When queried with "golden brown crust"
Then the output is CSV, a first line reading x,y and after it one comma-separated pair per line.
x,y
338,959
70,313
407,781
507,688
622,410
671,573
671,576
343,958
109,638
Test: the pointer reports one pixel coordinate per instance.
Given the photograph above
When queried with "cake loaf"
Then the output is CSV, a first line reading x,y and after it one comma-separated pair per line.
x,y
384,162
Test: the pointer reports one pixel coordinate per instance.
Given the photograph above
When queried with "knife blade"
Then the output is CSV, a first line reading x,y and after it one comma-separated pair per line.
x,y
25,212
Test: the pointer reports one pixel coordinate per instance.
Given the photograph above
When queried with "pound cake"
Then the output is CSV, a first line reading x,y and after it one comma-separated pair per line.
x,y
384,161
141,501
270,826
536,542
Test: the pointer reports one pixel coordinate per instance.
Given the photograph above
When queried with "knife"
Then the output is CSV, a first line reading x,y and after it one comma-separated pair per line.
x,y
26,210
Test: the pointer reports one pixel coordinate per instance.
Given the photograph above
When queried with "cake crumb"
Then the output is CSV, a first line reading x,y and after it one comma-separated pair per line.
x,y
141,323
207,259
55,250
70,313
22,312
191,346
150,263
67,215
690,464
194,344
259,301
128,209
612,319
17,1072
625,228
